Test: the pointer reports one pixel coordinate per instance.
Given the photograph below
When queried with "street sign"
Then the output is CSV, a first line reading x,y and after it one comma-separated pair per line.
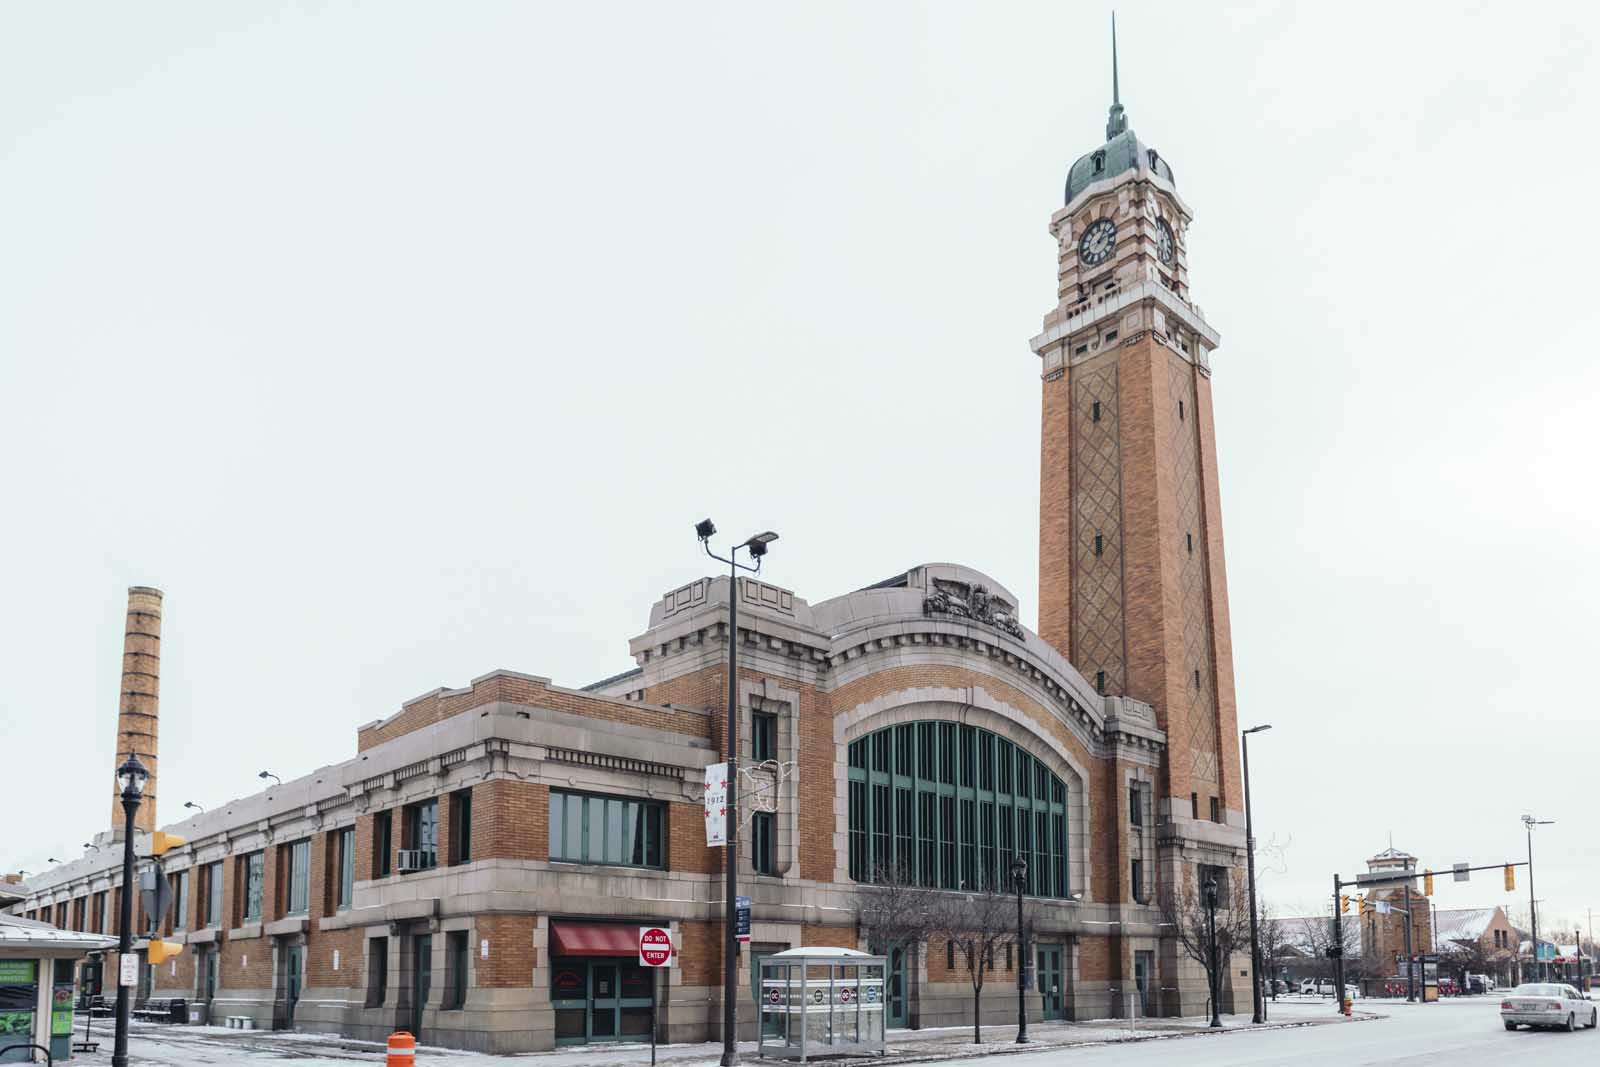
x,y
741,918
655,947
1463,872
717,804
128,970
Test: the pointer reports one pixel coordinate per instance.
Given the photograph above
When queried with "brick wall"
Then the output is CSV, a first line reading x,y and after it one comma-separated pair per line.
x,y
510,820
700,952
512,956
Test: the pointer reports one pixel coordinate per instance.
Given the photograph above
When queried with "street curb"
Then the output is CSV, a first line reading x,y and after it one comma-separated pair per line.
x,y
968,1051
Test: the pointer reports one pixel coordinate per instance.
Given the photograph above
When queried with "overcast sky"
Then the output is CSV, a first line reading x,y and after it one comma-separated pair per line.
x,y
401,342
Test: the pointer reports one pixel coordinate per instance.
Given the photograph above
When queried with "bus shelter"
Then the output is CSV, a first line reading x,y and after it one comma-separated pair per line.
x,y
819,1001
37,966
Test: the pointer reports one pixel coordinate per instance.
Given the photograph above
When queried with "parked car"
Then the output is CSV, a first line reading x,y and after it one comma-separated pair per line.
x,y
1548,1004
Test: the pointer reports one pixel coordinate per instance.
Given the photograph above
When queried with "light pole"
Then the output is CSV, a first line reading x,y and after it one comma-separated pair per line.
x,y
131,776
264,775
705,529
1019,881
1257,1000
192,804
1211,935
1529,822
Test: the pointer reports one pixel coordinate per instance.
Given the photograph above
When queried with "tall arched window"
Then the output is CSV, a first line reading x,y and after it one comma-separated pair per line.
x,y
947,805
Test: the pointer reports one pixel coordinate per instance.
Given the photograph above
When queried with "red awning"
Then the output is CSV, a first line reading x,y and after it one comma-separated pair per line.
x,y
593,939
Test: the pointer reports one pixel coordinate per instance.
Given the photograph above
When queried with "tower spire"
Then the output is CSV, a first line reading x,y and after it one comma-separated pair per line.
x,y
1117,122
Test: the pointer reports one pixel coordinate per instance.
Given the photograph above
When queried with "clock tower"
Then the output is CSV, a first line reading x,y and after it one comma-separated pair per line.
x,y
1132,586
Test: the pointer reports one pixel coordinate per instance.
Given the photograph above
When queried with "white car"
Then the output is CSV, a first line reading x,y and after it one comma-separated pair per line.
x,y
1548,1004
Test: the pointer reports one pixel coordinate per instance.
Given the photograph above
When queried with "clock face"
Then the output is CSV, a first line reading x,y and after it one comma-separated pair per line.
x,y
1099,241
1166,247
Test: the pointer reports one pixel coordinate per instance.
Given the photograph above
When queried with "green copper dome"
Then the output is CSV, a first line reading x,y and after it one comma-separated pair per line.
x,y
1123,151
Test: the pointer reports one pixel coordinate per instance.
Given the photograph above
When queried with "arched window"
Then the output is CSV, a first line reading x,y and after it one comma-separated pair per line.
x,y
947,805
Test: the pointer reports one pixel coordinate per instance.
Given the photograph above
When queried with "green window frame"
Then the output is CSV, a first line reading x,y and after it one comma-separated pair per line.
x,y
763,736
347,867
299,854
947,806
606,830
255,876
214,894
764,842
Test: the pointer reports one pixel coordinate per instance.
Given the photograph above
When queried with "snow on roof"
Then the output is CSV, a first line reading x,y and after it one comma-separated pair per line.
x,y
1463,924
806,951
17,932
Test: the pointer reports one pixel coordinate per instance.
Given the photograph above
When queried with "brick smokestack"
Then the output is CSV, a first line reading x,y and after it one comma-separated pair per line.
x,y
138,707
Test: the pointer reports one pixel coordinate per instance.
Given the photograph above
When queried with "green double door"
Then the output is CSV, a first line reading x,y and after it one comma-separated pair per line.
x,y
1052,987
600,1000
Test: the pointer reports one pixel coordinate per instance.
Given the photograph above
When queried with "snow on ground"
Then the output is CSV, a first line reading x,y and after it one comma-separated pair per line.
x,y
154,1045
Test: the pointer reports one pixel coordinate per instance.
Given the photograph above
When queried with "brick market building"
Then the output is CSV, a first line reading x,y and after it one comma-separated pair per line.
x,y
475,869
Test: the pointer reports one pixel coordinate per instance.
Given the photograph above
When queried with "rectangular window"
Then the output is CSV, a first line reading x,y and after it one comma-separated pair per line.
x,y
1099,544
347,867
949,955
214,894
1138,881
1194,805
608,830
763,736
382,843
1099,681
860,869
1095,412
421,842
255,878
764,842
299,877
1216,810
927,862
180,902
460,827
1135,806
377,971
455,946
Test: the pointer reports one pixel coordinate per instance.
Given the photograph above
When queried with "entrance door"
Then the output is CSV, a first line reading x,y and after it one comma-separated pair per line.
x,y
294,958
898,1015
1051,990
421,981
1144,966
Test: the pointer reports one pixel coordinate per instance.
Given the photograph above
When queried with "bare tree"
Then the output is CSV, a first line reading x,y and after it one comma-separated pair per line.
x,y
896,912
1273,943
979,924
1183,911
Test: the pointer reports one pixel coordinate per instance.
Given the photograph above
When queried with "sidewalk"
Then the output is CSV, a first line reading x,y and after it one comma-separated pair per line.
x,y
200,1046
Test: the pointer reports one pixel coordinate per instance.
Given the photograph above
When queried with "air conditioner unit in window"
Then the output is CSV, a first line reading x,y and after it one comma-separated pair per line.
x,y
415,859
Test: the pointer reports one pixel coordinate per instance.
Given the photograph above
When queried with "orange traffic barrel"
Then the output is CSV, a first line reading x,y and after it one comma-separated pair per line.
x,y
402,1050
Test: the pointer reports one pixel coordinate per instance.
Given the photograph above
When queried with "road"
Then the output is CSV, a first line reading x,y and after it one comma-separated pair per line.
x,y
1459,1032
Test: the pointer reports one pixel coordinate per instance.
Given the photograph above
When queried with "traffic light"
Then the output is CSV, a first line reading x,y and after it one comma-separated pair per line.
x,y
1427,883
1511,877
1364,906
1344,905
159,952
161,843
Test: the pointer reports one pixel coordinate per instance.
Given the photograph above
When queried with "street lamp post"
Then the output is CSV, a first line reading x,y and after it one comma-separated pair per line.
x,y
131,776
1211,936
1529,822
1256,998
757,547
1019,881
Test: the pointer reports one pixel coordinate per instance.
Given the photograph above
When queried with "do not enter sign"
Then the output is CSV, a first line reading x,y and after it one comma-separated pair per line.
x,y
655,947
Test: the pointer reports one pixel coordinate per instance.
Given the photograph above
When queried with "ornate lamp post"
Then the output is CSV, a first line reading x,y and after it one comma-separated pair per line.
x,y
131,778
1019,881
1211,935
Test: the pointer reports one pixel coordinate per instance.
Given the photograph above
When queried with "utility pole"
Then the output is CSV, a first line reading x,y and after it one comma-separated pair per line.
x,y
1411,961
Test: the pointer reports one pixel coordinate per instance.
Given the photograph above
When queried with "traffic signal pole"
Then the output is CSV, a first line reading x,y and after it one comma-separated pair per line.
x,y
1338,948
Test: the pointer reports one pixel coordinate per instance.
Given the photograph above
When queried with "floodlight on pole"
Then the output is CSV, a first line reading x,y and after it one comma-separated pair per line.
x,y
756,545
